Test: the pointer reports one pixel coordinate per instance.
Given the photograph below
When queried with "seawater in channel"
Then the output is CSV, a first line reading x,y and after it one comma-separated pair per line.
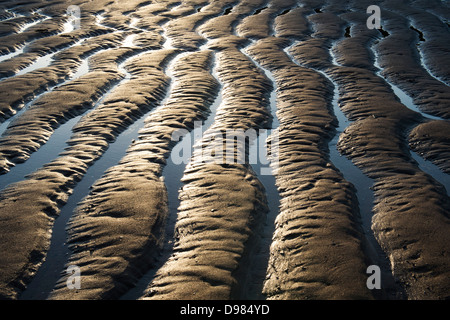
x,y
81,70
264,170
351,173
11,55
421,54
173,171
362,183
424,165
57,141
53,267
363,186
424,65
48,151
44,61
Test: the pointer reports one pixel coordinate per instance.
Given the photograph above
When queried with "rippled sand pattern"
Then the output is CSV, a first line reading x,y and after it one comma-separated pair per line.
x,y
358,124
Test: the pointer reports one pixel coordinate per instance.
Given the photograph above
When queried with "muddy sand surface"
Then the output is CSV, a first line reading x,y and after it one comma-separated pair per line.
x,y
208,148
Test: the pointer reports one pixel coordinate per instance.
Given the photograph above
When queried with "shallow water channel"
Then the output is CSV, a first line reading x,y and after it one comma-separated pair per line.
x,y
53,267
425,165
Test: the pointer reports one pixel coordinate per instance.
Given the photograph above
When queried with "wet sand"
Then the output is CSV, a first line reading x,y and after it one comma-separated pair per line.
x,y
165,66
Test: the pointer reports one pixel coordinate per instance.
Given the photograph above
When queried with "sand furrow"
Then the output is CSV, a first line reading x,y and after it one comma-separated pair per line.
x,y
34,127
130,198
428,93
400,226
18,90
432,41
29,231
133,139
222,203
257,26
141,78
36,50
431,141
17,24
44,28
182,30
376,143
223,26
292,24
438,8
263,157
317,245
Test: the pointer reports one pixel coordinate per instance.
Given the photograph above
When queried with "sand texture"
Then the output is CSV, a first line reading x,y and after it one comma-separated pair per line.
x,y
96,113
